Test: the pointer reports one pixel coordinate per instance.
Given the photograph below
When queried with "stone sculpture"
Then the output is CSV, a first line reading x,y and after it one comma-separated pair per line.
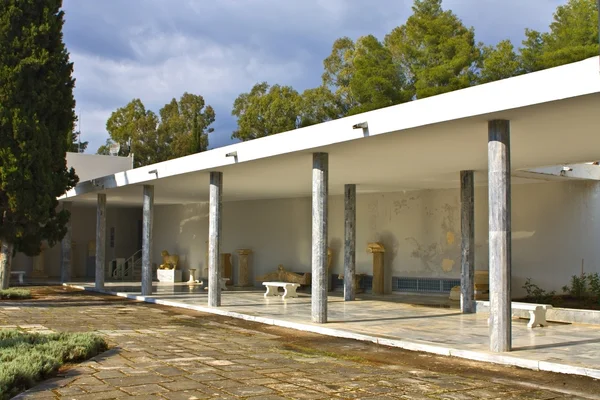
x,y
169,260
281,275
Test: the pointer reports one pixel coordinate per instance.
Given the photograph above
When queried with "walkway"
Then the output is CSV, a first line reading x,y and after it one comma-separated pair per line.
x,y
169,353
565,348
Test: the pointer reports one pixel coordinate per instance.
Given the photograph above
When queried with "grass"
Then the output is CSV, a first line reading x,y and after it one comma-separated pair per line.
x,y
27,358
14,293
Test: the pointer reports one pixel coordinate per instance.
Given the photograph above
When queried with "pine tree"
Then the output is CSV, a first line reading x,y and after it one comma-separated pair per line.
x,y
573,36
434,50
36,124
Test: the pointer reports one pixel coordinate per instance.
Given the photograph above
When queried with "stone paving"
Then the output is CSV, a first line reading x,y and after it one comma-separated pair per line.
x,y
167,353
560,347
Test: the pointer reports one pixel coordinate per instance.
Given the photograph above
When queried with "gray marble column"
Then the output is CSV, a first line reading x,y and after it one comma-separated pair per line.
x,y
147,221
467,244
349,241
100,240
66,250
320,188
214,239
499,234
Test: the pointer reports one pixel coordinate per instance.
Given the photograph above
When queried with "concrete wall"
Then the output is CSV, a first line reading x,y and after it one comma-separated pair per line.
x,y
555,227
90,166
123,220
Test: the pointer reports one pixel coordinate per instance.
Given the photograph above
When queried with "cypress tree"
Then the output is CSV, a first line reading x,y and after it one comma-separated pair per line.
x,y
36,123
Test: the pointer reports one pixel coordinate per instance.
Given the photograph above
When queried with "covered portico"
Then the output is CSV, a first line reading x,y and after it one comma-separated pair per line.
x,y
492,134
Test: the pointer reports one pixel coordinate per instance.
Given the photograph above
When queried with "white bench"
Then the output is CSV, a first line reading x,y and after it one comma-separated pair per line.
x,y
20,275
289,289
537,312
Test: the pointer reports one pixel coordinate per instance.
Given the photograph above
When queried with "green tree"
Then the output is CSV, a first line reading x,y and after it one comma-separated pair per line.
x,y
362,76
185,125
182,129
338,72
434,50
318,105
376,81
77,146
36,125
573,36
499,62
266,110
136,131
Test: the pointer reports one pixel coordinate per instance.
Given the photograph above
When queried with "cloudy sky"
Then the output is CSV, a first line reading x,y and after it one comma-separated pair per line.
x,y
157,49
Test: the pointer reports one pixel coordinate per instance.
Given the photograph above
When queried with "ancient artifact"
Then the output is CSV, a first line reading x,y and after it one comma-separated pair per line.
x,y
281,275
243,268
377,250
169,260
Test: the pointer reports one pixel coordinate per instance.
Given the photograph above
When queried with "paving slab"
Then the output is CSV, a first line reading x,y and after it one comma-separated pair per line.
x,y
157,354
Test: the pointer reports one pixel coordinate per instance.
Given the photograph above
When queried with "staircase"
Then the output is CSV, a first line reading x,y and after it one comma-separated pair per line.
x,y
129,269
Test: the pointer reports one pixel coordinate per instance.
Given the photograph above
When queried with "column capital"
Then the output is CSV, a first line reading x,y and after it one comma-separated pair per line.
x,y
375,247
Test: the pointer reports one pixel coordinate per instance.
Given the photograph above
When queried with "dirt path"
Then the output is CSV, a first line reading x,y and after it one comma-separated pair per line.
x,y
168,353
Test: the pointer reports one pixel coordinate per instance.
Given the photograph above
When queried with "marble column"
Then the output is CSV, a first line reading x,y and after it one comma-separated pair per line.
x,y
214,239
66,250
378,267
147,222
320,189
349,242
243,268
100,240
499,235
467,229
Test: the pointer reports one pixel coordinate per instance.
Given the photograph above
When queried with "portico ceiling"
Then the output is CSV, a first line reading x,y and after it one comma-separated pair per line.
x,y
424,144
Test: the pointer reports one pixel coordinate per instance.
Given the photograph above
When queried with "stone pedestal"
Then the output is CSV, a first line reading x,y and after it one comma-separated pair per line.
x,y
377,250
243,268
226,267
168,275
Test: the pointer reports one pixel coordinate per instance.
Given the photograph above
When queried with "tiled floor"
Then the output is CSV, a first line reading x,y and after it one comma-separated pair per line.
x,y
169,353
394,317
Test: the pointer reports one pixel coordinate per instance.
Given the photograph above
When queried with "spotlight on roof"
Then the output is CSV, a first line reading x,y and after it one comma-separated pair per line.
x,y
362,125
154,171
232,154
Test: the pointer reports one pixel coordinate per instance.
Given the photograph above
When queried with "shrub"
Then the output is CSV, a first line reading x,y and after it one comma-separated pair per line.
x,y
537,294
14,293
578,288
27,358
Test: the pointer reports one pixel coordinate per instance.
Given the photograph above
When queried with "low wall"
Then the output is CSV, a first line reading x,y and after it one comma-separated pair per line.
x,y
568,315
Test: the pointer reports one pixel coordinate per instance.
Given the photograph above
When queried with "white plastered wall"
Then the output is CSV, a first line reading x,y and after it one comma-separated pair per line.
x,y
555,226
83,222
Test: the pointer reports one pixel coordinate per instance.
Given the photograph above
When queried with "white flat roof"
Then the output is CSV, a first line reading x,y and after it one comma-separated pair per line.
x,y
421,144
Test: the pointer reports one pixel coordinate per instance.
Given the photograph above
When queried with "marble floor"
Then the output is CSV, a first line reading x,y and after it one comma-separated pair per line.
x,y
416,319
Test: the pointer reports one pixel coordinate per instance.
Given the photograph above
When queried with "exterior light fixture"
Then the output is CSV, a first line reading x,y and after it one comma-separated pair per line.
x,y
154,171
362,125
232,154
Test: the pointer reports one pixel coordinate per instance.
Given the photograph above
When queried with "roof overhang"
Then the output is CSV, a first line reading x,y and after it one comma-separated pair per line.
x,y
417,145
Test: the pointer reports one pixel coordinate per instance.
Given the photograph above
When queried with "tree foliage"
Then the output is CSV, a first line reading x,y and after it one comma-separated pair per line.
x,y
266,110
435,50
499,62
36,125
76,145
376,81
182,129
573,36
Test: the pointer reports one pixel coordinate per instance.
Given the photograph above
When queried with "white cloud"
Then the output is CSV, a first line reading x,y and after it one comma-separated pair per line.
x,y
157,49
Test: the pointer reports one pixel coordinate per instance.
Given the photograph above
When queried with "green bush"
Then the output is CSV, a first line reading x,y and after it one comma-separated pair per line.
x,y
537,294
14,293
27,358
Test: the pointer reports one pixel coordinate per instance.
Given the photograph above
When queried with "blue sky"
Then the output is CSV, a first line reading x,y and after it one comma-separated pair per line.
x,y
157,49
